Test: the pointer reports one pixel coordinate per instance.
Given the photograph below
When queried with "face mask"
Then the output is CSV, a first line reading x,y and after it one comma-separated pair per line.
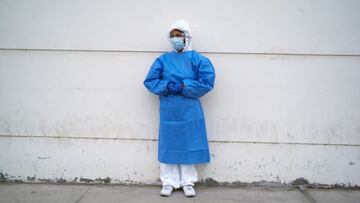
x,y
177,43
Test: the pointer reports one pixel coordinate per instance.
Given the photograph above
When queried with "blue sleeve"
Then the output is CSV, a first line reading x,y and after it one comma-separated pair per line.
x,y
154,81
204,81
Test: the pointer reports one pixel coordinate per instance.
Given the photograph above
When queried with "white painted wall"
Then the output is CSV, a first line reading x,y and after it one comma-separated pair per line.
x,y
285,104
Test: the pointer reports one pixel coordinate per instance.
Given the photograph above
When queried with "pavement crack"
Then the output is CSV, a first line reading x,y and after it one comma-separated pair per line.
x,y
307,196
77,201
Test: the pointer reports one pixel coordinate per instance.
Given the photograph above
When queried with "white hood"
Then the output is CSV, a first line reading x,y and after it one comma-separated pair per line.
x,y
184,27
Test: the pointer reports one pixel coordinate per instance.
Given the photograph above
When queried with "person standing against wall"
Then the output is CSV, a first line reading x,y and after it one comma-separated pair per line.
x,y
180,77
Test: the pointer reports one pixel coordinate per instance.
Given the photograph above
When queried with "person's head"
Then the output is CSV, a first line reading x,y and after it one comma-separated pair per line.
x,y
177,39
179,36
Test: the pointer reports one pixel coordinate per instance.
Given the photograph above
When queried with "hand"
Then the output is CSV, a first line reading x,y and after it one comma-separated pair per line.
x,y
175,88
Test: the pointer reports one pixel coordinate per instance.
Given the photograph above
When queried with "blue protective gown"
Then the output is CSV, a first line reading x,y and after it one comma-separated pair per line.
x,y
182,130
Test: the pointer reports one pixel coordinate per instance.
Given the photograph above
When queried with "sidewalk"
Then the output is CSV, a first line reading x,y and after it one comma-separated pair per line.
x,y
56,193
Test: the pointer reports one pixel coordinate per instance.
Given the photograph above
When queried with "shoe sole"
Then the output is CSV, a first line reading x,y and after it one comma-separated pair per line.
x,y
165,195
192,195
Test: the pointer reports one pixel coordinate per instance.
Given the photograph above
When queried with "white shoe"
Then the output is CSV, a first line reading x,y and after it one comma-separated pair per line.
x,y
189,190
166,190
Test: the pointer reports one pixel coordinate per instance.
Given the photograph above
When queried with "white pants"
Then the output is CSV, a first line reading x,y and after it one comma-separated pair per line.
x,y
178,175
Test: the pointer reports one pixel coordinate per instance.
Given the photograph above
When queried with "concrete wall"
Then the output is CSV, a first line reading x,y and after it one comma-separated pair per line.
x,y
285,105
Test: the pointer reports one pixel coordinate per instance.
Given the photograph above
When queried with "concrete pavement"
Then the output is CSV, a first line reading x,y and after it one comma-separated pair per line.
x,y
67,193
